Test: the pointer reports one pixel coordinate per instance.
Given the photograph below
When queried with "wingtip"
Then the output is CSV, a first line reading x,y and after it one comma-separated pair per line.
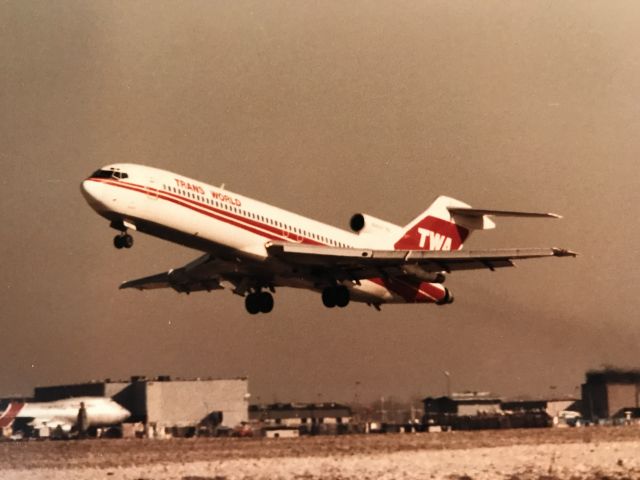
x,y
564,252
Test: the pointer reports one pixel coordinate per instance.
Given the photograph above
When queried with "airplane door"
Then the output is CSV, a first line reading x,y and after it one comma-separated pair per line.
x,y
297,236
152,189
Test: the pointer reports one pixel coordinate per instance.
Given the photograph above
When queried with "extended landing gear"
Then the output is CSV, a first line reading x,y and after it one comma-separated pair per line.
x,y
124,240
335,296
258,302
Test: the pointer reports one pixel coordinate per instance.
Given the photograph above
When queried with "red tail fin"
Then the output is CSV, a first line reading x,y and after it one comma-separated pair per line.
x,y
7,417
435,229
447,223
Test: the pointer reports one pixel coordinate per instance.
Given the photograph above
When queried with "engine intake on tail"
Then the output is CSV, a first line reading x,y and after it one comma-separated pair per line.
x,y
357,222
362,223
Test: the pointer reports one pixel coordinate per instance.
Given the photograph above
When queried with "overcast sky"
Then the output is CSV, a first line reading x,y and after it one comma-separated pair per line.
x,y
327,109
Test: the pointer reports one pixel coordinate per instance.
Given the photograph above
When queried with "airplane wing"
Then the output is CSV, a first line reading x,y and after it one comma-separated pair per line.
x,y
41,422
201,274
205,274
322,262
366,263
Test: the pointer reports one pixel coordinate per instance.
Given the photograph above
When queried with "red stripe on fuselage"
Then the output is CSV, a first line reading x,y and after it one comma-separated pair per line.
x,y
266,230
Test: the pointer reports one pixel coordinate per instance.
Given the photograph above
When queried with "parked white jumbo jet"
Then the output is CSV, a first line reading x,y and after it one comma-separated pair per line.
x,y
255,247
101,411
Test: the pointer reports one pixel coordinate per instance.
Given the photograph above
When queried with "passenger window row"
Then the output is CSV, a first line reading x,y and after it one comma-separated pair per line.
x,y
269,221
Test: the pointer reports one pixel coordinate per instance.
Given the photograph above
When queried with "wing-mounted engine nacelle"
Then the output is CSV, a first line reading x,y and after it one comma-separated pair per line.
x,y
431,277
364,224
448,298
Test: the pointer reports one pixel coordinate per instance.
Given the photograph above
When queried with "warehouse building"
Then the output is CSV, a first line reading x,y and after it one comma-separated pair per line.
x,y
463,404
480,411
307,418
553,407
609,393
165,406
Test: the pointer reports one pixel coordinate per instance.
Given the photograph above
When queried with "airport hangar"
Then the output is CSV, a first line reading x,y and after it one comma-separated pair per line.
x,y
163,405
611,393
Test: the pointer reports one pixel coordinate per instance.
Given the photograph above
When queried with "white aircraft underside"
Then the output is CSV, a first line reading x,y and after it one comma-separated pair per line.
x,y
254,247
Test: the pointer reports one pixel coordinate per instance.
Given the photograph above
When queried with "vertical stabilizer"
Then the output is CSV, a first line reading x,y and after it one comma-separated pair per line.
x,y
7,417
438,229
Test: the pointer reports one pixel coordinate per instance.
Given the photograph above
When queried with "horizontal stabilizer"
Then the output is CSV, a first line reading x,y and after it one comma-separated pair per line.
x,y
479,212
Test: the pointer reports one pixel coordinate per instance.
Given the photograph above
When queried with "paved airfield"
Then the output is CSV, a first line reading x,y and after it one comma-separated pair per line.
x,y
550,454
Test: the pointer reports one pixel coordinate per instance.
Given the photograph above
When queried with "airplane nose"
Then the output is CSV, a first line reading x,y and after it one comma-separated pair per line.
x,y
87,189
124,413
91,192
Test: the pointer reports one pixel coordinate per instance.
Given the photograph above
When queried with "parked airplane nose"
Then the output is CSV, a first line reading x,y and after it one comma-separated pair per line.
x,y
123,413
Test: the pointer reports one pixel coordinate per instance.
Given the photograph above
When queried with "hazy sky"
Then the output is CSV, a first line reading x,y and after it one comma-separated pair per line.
x,y
325,108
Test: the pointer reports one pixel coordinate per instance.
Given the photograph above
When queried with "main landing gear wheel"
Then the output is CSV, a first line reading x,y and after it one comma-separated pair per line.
x,y
335,296
123,240
258,302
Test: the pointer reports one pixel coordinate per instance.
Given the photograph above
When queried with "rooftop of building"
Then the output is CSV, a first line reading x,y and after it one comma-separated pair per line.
x,y
466,397
144,378
614,375
298,406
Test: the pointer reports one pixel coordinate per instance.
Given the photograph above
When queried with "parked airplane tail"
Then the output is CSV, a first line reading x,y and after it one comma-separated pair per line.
x,y
7,416
447,223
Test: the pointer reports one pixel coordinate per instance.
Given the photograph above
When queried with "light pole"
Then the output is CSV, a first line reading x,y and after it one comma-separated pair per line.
x,y
356,405
448,377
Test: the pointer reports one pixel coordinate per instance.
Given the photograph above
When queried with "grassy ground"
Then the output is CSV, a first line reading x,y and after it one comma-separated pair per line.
x,y
104,454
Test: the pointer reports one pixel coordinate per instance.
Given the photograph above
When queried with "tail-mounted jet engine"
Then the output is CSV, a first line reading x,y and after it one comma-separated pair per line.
x,y
362,224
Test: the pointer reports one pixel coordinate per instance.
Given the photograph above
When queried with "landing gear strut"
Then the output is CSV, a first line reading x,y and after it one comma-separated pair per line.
x,y
258,302
335,296
124,240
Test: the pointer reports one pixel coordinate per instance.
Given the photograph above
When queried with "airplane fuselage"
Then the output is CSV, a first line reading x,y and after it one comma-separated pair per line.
x,y
100,411
237,230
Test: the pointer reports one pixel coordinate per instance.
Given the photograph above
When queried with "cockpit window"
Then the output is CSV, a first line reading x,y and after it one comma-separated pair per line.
x,y
102,174
109,174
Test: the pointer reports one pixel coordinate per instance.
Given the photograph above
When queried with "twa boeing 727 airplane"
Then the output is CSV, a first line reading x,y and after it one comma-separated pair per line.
x,y
255,248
